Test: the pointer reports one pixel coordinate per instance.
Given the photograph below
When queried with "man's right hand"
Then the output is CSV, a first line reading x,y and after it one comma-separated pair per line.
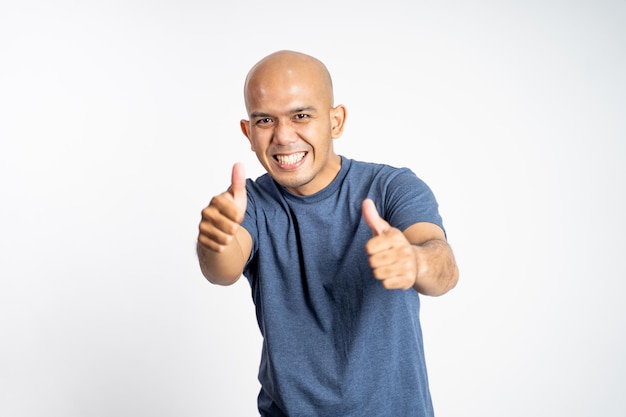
x,y
222,217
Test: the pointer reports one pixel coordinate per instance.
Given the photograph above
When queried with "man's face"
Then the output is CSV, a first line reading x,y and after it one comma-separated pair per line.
x,y
291,129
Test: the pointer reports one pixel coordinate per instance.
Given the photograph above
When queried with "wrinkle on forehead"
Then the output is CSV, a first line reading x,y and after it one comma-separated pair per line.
x,y
288,66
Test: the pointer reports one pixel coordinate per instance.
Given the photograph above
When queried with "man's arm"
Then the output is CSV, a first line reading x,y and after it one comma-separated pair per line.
x,y
437,271
419,258
225,267
223,245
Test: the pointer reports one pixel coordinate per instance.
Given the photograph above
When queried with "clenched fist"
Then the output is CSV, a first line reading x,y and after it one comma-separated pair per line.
x,y
222,217
391,255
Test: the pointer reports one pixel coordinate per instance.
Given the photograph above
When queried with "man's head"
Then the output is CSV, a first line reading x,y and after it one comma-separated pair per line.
x,y
292,121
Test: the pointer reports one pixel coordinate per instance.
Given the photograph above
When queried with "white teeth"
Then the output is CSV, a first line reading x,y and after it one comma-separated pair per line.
x,y
291,158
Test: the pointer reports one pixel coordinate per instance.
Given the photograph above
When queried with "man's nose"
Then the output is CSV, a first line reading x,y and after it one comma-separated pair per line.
x,y
284,133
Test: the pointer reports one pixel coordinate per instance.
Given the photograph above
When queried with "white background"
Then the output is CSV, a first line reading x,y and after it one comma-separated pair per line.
x,y
119,121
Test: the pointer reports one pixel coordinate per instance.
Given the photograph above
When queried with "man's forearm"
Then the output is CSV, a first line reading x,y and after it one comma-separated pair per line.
x,y
221,268
437,271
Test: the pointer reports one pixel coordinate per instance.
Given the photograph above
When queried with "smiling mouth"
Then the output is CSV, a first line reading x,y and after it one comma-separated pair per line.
x,y
290,159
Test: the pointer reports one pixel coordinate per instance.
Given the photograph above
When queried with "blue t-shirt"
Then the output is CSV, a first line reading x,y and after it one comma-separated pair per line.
x,y
335,342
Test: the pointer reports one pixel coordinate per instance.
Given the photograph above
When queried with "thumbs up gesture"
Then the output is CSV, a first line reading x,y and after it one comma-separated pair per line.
x,y
391,255
222,217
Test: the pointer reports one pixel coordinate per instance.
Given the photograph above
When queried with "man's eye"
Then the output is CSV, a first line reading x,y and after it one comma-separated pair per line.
x,y
301,116
264,121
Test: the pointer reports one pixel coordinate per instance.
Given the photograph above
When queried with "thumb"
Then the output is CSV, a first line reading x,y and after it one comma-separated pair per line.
x,y
238,185
373,219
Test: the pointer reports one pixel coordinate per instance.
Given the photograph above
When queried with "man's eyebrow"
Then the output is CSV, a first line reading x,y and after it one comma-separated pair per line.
x,y
257,114
303,109
297,110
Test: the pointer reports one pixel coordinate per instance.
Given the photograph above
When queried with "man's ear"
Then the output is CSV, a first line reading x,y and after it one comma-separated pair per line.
x,y
337,120
245,129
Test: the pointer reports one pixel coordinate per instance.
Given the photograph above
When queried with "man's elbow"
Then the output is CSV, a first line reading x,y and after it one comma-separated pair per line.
x,y
222,280
451,281
444,284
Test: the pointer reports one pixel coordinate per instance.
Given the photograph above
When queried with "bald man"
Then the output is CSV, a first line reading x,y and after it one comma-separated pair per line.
x,y
337,253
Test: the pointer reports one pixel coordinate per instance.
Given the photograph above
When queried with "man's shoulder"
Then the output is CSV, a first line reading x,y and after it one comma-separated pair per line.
x,y
360,168
359,164
264,181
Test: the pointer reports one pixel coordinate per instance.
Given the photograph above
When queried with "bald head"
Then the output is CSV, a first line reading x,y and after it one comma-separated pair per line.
x,y
293,121
286,69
